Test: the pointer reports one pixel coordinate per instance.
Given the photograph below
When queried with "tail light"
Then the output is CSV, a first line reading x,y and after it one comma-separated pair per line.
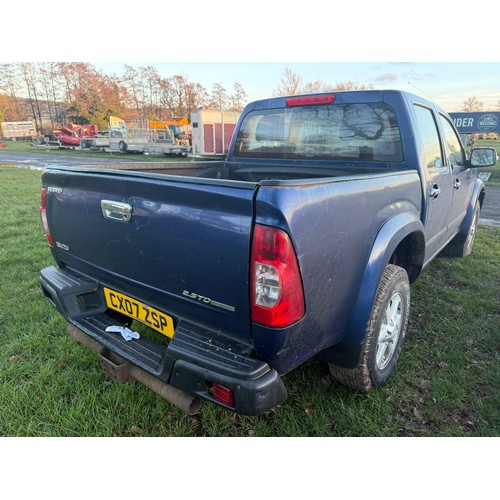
x,y
43,218
276,284
223,395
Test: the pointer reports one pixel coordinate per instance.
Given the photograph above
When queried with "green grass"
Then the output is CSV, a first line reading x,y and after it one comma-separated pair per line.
x,y
447,382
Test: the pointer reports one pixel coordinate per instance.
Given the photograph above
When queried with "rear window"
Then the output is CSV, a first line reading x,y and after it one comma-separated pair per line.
x,y
360,131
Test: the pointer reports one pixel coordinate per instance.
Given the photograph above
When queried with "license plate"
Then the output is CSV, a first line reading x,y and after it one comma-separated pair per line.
x,y
139,311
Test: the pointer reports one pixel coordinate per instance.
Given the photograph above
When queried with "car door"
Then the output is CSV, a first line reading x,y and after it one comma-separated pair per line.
x,y
438,187
463,178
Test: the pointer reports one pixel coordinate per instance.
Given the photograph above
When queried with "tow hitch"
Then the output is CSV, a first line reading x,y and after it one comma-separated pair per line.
x,y
122,372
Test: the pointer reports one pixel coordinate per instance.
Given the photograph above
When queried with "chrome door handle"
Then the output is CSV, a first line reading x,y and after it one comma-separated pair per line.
x,y
116,210
435,191
457,184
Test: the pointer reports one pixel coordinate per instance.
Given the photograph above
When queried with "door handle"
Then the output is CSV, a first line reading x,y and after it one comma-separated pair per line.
x,y
457,184
435,191
116,210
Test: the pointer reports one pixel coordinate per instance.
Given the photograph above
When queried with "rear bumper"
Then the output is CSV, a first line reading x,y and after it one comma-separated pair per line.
x,y
194,359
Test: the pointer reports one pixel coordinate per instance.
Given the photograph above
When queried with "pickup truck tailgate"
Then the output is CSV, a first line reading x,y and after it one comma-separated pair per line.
x,y
181,247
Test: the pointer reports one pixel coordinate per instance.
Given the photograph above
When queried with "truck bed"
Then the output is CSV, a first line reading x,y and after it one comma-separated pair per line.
x,y
253,172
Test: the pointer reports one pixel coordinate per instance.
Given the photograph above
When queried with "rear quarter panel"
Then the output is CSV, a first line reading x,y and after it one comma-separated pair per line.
x,y
333,226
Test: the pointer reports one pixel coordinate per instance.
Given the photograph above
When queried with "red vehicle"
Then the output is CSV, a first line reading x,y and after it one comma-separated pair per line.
x,y
71,137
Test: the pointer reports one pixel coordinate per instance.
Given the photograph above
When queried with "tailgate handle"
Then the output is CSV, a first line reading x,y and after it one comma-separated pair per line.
x,y
116,210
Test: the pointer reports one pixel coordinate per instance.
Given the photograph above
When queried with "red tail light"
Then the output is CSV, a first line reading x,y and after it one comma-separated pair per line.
x,y
223,395
276,284
43,218
310,100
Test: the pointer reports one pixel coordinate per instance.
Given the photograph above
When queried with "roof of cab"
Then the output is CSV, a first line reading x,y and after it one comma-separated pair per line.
x,y
346,97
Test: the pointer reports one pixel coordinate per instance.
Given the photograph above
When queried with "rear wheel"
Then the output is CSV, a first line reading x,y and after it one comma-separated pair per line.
x,y
461,245
385,334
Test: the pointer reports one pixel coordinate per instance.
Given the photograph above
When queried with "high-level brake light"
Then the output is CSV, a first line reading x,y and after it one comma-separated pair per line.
x,y
276,283
310,100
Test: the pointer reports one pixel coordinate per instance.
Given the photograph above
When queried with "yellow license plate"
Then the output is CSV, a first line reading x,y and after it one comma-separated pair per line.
x,y
137,310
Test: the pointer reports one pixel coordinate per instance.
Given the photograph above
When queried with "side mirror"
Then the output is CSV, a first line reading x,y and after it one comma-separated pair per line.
x,y
483,157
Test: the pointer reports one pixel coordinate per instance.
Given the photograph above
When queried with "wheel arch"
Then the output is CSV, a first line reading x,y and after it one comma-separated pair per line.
x,y
400,241
409,254
478,194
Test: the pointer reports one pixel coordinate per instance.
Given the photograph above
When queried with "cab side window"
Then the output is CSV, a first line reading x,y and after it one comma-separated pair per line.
x,y
430,138
454,150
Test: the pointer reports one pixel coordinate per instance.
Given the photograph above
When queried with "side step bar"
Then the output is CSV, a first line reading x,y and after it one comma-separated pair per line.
x,y
121,371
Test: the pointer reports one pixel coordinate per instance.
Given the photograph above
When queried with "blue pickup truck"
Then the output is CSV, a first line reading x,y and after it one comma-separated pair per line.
x,y
303,242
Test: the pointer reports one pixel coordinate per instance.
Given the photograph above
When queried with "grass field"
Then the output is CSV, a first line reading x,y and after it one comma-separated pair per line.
x,y
447,382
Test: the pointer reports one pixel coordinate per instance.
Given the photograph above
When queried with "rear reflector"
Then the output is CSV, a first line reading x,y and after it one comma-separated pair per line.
x,y
310,100
223,395
276,283
43,218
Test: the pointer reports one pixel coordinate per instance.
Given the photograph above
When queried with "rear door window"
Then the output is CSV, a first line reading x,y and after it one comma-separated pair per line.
x,y
454,150
430,138
359,131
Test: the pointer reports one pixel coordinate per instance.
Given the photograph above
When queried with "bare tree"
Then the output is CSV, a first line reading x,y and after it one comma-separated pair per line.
x,y
45,80
131,82
219,98
472,104
150,86
29,73
316,87
239,98
196,96
348,85
290,84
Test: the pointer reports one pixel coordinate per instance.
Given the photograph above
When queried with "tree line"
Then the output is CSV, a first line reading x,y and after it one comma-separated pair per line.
x,y
53,94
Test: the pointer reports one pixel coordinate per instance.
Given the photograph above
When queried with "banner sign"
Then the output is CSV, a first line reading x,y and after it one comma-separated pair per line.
x,y
474,123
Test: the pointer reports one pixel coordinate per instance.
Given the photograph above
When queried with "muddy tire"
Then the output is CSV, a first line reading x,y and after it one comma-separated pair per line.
x,y
385,334
461,245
